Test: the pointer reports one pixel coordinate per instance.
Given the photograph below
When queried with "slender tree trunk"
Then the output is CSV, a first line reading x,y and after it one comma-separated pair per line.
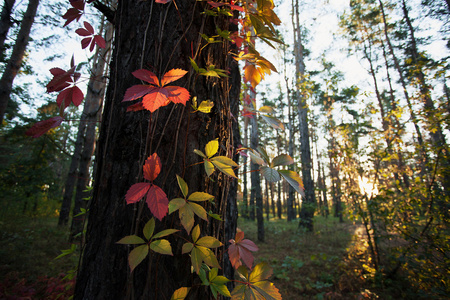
x,y
5,24
162,37
309,201
291,193
15,61
245,210
93,101
256,182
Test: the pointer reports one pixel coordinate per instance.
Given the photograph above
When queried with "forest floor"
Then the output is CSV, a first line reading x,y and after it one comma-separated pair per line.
x,y
330,263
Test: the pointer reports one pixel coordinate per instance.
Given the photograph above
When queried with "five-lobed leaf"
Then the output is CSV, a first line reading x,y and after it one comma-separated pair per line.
x,y
240,249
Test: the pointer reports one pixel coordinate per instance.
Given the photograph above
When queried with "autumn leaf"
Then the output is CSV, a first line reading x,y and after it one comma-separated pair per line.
x,y
255,285
187,207
217,283
157,201
156,198
70,95
151,242
180,294
152,167
200,250
241,248
162,1
91,38
157,94
223,163
75,12
44,126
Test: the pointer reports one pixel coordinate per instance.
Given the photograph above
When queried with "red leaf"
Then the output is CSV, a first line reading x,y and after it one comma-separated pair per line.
x,y
215,4
147,76
73,13
100,41
172,75
88,27
135,107
152,167
162,1
236,7
92,45
136,192
157,202
70,95
155,99
137,91
178,94
85,42
83,32
42,127
240,249
61,79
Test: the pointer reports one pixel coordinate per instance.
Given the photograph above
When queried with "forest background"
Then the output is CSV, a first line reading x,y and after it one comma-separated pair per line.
x,y
377,110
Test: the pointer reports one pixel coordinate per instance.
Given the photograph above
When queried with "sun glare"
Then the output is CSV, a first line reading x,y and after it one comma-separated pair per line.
x,y
367,187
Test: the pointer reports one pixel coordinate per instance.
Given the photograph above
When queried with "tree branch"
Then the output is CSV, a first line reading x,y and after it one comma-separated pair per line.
x,y
106,11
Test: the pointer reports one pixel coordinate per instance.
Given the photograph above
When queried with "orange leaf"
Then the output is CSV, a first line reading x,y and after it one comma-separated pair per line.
x,y
156,98
178,94
152,167
135,107
253,75
172,75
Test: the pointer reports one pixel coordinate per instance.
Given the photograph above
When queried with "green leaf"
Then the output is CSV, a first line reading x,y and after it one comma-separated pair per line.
x,y
149,228
183,186
199,211
164,232
214,216
256,158
131,240
225,160
196,259
161,246
206,106
195,233
270,174
181,293
72,249
186,217
208,257
261,271
282,160
274,122
209,241
137,255
221,288
187,247
198,152
200,196
194,64
263,154
209,167
176,204
226,169
212,147
294,180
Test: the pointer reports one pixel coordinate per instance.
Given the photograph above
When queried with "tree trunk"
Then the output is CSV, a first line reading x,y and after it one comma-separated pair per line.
x,y
162,38
309,201
245,209
256,182
15,61
5,24
93,102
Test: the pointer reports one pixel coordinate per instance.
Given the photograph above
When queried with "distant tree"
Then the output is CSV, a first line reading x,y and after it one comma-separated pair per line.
x,y
15,61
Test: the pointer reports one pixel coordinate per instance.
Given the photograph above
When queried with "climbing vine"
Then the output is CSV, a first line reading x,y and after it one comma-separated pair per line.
x,y
256,20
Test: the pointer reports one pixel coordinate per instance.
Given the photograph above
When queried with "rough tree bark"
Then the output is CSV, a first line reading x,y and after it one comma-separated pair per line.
x,y
158,37
13,65
5,23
